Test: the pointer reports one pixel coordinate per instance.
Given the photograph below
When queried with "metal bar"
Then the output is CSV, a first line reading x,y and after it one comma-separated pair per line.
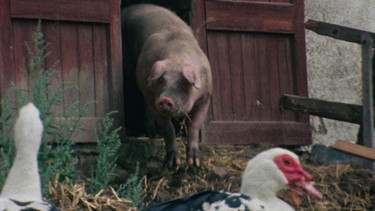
x,y
367,100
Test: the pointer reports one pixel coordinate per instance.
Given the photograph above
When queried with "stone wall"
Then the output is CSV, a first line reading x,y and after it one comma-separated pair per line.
x,y
334,67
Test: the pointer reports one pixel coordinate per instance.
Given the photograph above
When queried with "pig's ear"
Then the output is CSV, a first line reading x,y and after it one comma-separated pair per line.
x,y
157,70
190,73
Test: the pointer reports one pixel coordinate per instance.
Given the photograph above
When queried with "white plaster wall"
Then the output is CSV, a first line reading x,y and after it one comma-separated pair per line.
x,y
334,67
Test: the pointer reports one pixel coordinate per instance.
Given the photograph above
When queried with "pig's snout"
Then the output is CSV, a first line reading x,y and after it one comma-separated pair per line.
x,y
165,104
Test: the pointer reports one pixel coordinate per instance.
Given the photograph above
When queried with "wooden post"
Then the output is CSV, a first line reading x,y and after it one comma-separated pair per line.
x,y
367,95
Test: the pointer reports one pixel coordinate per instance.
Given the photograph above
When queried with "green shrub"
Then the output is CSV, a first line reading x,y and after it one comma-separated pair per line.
x,y
133,189
108,143
7,145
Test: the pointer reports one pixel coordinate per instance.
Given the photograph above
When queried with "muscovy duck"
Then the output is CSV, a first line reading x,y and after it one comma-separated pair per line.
x,y
266,174
274,170
22,188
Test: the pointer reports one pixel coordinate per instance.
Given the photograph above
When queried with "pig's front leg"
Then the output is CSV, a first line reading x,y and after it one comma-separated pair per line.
x,y
171,146
198,116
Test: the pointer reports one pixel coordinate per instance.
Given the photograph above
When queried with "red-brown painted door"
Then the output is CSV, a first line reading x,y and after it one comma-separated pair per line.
x,y
85,43
257,53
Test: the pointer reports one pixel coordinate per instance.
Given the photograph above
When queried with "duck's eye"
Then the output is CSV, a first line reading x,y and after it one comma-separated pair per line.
x,y
286,162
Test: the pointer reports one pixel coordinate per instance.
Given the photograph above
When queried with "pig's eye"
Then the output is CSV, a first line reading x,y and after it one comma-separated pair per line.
x,y
184,85
161,80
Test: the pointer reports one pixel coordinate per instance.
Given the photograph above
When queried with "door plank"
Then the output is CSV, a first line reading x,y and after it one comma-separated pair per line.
x,y
62,10
250,16
242,132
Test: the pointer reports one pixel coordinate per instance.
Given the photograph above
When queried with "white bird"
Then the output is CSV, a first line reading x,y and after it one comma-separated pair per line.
x,y
265,175
274,170
22,188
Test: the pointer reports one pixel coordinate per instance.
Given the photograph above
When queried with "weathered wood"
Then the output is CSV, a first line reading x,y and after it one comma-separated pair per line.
x,y
241,63
85,42
115,76
199,23
336,31
367,95
254,51
70,10
328,109
299,56
229,15
355,149
241,132
86,66
6,59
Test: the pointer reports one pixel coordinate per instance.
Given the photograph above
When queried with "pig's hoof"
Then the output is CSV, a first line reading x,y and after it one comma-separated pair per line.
x,y
173,158
193,157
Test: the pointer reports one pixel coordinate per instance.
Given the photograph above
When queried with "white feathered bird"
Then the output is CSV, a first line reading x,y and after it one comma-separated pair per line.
x,y
274,170
265,175
22,188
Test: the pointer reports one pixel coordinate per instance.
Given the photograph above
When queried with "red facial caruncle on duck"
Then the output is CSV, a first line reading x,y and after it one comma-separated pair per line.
x,y
298,179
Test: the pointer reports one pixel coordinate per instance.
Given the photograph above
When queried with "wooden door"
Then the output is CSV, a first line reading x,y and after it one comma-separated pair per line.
x,y
84,39
257,53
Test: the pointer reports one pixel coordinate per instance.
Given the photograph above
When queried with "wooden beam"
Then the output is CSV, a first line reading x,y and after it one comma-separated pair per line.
x,y
260,17
336,31
67,10
367,96
327,109
355,149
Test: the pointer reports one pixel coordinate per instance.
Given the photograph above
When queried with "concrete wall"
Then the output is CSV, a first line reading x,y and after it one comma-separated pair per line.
x,y
334,67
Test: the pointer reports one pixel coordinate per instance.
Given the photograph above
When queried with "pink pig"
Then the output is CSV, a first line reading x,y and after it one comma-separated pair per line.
x,y
172,73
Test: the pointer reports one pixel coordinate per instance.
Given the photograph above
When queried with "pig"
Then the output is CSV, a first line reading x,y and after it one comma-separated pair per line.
x,y
172,72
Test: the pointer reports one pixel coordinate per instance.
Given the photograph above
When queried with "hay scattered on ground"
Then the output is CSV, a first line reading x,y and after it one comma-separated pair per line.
x,y
344,187
74,197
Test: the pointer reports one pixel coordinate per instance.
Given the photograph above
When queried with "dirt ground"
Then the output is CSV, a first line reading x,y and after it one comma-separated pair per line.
x,y
344,187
